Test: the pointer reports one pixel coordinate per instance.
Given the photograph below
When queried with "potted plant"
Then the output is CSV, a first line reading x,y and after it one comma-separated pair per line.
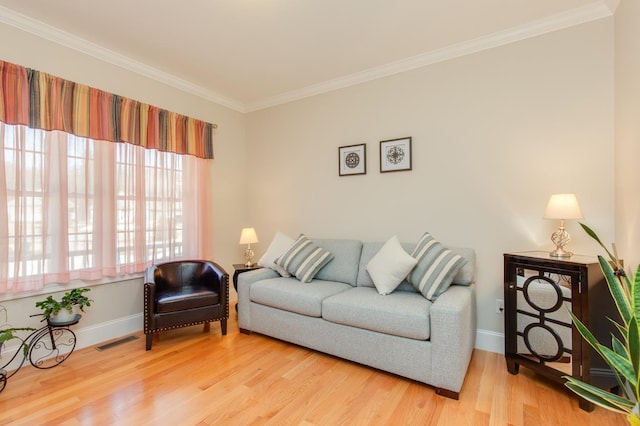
x,y
624,354
63,310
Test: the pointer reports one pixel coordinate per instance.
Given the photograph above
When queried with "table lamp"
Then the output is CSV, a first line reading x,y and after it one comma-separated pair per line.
x,y
248,236
563,207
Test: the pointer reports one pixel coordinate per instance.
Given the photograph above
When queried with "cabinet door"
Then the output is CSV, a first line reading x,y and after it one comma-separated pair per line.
x,y
542,322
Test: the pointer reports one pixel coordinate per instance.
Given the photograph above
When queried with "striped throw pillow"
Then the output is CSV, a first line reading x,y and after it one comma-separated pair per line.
x,y
436,267
304,259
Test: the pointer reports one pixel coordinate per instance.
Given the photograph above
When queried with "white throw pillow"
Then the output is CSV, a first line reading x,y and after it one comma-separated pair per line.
x,y
390,266
278,246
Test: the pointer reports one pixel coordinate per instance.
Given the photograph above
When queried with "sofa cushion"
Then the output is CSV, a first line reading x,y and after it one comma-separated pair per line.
x,y
188,297
400,313
278,246
436,268
290,295
304,259
390,266
344,266
369,250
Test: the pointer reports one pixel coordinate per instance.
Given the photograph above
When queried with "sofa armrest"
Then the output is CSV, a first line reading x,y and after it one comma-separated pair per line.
x,y
453,331
245,280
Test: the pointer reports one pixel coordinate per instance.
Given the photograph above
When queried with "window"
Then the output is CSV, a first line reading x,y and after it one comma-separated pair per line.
x,y
83,209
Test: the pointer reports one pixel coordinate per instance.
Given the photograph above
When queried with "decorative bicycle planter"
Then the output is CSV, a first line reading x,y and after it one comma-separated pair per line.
x,y
45,347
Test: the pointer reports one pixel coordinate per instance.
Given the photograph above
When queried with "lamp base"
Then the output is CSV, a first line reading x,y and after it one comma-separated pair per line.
x,y
560,238
248,255
560,252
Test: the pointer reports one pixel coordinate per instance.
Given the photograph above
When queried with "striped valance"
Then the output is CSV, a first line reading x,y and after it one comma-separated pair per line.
x,y
39,100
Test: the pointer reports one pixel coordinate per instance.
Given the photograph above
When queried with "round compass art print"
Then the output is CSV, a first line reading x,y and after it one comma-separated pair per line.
x,y
352,160
395,155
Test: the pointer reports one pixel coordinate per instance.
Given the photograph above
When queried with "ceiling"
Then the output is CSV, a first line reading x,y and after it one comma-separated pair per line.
x,y
251,54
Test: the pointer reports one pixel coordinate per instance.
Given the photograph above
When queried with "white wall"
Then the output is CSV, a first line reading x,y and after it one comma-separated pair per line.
x,y
494,134
119,305
627,111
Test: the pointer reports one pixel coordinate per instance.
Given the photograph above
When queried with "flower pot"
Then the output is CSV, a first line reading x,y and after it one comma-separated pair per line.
x,y
63,316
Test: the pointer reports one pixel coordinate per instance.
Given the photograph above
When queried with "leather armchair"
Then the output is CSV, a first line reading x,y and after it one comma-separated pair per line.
x,y
184,293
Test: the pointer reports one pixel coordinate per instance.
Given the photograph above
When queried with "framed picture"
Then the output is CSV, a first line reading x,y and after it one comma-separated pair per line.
x,y
352,160
395,155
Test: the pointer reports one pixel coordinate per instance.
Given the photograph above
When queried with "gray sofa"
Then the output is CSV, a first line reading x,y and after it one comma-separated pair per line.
x,y
341,313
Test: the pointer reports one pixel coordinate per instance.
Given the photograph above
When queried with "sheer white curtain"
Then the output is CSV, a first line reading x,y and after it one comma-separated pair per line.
x,y
83,209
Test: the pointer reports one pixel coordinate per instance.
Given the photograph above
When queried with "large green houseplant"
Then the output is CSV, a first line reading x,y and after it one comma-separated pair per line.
x,y
52,307
624,354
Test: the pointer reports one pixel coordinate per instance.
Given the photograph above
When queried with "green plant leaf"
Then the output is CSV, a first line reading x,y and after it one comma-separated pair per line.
x,y
51,307
618,346
599,397
634,343
586,334
9,333
621,364
634,290
593,235
621,329
624,355
621,350
618,292
634,351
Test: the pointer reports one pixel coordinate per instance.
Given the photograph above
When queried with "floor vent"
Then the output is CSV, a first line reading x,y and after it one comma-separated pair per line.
x,y
117,342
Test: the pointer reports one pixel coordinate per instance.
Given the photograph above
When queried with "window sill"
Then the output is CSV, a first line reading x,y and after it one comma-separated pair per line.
x,y
54,287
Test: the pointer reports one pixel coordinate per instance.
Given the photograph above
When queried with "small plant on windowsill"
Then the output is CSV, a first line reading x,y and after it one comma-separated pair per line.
x,y
63,310
624,354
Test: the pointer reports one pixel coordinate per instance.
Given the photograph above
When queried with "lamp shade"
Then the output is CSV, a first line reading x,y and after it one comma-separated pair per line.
x,y
563,206
248,236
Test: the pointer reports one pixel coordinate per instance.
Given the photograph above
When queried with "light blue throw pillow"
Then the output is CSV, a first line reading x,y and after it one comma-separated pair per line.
x,y
436,267
304,259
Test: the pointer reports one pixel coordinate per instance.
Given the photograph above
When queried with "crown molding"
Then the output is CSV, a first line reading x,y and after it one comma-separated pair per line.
x,y
577,16
48,32
612,5
594,11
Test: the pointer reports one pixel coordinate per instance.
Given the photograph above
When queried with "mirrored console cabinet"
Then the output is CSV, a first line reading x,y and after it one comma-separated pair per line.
x,y
539,291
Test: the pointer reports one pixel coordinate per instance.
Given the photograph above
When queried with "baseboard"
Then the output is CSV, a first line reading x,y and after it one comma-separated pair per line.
x,y
490,341
99,333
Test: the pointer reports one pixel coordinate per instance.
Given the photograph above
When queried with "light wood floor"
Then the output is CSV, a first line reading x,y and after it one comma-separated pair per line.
x,y
191,378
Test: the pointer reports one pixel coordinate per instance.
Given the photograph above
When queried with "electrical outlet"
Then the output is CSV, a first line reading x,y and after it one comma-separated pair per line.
x,y
499,306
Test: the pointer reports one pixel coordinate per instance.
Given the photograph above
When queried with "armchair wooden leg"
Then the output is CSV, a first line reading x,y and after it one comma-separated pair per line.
x,y
223,325
206,328
149,341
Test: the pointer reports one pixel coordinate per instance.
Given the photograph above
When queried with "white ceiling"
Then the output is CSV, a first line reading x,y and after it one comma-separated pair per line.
x,y
250,54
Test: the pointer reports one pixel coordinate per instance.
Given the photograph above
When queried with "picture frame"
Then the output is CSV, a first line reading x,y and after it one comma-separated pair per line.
x,y
352,160
395,155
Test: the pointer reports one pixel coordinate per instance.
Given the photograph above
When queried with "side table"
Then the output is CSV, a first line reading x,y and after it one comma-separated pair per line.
x,y
240,268
538,293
